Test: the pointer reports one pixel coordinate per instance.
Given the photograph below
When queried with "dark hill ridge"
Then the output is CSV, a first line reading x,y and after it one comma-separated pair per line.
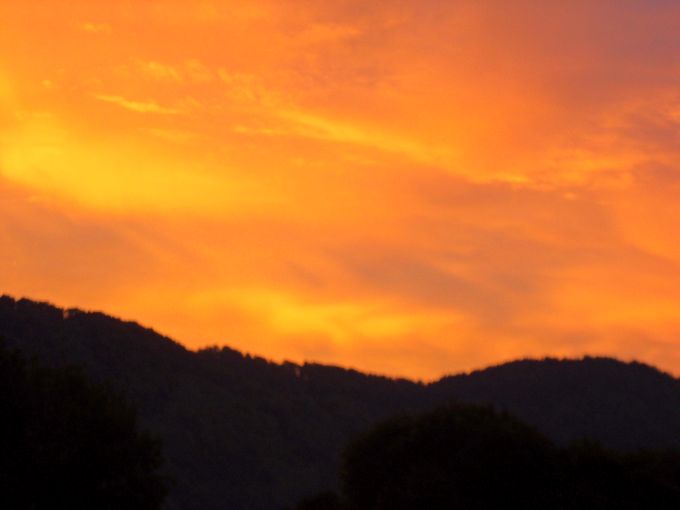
x,y
623,405
242,432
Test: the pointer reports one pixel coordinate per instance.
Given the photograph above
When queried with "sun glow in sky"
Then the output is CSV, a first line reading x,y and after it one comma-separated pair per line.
x,y
412,187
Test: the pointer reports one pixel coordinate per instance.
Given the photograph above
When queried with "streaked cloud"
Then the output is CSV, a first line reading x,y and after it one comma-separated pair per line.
x,y
137,106
314,126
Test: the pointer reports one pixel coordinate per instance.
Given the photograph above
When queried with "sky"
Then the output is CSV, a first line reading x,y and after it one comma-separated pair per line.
x,y
407,187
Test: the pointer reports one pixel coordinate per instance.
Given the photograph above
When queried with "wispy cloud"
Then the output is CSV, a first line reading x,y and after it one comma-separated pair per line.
x,y
137,106
95,28
322,33
324,128
191,70
159,71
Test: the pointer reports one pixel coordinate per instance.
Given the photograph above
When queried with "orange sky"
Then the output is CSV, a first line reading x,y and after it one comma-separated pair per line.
x,y
411,187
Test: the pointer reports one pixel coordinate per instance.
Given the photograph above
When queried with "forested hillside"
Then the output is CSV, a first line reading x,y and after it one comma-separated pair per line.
x,y
242,432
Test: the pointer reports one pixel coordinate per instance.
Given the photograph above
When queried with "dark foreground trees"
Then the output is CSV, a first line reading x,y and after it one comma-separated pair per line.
x,y
470,457
66,442
463,457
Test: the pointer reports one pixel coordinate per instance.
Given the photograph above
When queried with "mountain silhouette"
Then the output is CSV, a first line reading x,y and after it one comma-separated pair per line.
x,y
242,432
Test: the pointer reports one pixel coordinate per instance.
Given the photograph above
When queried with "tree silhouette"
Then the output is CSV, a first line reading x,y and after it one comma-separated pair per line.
x,y
455,457
69,443
322,501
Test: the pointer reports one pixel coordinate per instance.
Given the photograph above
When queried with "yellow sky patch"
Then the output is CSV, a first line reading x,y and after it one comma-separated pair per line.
x,y
119,176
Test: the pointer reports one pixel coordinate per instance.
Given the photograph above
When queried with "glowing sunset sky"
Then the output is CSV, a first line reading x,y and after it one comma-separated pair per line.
x,y
409,187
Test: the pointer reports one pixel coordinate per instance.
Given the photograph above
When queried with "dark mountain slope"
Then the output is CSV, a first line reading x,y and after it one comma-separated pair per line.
x,y
623,405
241,432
